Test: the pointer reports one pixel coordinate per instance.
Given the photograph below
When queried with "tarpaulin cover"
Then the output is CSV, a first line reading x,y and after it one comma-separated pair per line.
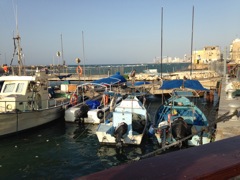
x,y
93,104
139,83
191,84
114,79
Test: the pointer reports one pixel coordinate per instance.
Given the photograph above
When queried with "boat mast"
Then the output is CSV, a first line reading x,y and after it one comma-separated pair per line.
x,y
161,45
19,49
83,56
161,38
192,42
62,51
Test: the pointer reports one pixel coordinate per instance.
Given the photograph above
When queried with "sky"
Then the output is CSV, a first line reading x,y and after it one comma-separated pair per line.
x,y
114,31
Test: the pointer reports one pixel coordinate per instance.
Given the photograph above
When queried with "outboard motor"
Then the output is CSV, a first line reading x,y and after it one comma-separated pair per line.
x,y
119,132
81,114
180,129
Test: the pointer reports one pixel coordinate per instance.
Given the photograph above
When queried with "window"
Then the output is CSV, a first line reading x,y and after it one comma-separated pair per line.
x,y
19,87
9,88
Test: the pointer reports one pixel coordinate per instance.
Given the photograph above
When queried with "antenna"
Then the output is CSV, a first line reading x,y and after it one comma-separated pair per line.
x,y
15,15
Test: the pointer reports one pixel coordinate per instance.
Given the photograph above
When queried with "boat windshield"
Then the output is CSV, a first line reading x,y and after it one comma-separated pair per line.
x,y
9,88
13,88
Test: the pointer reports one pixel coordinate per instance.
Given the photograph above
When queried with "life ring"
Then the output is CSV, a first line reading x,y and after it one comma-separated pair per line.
x,y
79,70
105,99
73,99
100,114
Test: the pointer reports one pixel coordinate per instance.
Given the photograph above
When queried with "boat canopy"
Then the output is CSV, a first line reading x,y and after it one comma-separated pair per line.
x,y
178,83
140,83
114,79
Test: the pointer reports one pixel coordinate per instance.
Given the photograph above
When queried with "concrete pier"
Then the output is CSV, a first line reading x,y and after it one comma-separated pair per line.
x,y
230,127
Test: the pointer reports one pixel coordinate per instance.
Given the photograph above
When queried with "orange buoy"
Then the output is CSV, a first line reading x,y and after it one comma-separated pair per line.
x,y
73,99
79,70
105,99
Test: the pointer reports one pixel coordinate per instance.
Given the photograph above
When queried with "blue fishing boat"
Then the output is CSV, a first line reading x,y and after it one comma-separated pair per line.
x,y
179,119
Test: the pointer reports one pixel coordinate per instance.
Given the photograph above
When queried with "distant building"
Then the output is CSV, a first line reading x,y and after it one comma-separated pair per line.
x,y
168,59
207,55
235,51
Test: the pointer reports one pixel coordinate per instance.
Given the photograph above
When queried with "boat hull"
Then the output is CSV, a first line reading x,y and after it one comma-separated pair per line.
x,y
179,118
13,122
92,115
105,136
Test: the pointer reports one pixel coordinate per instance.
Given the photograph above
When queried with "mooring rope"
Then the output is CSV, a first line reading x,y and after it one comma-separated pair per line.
x,y
151,154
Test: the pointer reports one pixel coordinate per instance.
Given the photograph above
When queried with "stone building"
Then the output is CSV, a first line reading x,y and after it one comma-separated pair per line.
x,y
207,55
235,51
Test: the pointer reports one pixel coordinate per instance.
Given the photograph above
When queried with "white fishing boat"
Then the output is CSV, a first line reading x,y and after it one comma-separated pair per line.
x,y
96,105
128,125
24,99
90,108
25,103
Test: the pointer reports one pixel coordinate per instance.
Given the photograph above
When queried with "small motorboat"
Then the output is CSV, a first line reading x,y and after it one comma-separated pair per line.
x,y
179,119
129,123
95,105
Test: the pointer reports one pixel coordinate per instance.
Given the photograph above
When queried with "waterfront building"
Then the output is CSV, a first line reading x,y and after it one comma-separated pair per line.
x,y
235,51
207,55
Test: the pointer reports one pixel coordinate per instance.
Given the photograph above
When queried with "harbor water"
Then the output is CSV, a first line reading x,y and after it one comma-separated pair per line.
x,y
65,151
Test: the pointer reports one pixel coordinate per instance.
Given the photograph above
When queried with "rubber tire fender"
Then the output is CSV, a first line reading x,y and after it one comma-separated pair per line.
x,y
100,114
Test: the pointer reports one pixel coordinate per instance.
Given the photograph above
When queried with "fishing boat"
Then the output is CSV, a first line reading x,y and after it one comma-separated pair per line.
x,y
25,100
99,98
178,119
128,126
25,103
92,108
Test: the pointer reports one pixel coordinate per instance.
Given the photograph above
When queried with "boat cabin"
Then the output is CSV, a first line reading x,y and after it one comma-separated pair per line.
x,y
24,92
